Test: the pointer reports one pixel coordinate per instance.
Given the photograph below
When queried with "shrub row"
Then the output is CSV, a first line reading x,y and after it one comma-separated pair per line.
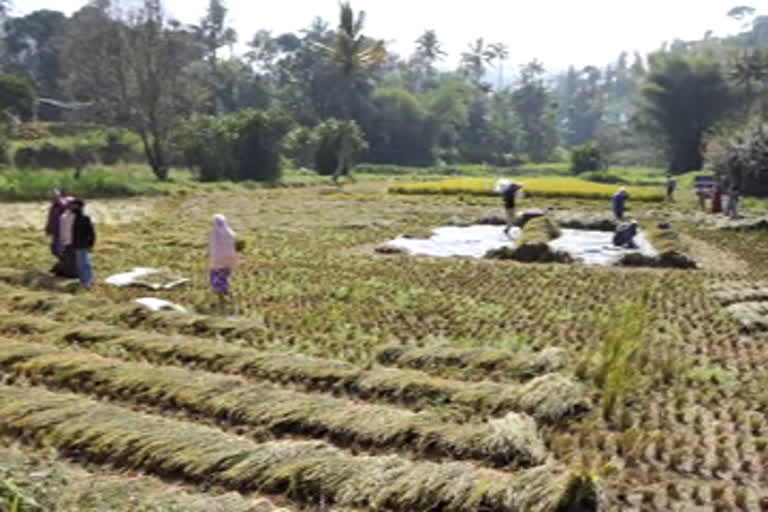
x,y
237,147
109,149
308,471
510,440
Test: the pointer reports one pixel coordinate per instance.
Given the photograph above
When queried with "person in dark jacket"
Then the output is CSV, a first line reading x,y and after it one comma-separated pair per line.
x,y
625,235
83,240
620,203
671,188
509,196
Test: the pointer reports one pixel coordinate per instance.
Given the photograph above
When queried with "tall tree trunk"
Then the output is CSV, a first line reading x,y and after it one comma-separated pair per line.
x,y
154,152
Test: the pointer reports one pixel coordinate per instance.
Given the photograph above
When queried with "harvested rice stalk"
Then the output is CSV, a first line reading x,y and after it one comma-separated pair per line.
x,y
477,362
734,292
37,280
407,387
510,440
66,307
310,472
56,485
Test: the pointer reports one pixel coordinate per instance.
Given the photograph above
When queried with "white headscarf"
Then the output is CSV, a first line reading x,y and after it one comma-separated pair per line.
x,y
222,244
502,185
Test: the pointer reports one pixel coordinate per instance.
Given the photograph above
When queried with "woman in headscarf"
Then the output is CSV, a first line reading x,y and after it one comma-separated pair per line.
x,y
67,265
223,255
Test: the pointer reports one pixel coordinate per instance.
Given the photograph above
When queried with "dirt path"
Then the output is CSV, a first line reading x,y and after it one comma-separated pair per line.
x,y
108,211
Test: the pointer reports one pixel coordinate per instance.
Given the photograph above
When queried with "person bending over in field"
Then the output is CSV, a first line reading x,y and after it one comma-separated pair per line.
x,y
509,193
223,253
620,203
83,240
625,235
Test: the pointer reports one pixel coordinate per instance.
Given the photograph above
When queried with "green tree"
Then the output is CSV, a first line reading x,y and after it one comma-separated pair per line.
x,y
356,55
537,112
685,95
32,44
136,70
354,52
214,34
429,48
420,70
449,108
339,144
500,52
242,146
749,71
401,132
506,132
474,60
16,96
585,111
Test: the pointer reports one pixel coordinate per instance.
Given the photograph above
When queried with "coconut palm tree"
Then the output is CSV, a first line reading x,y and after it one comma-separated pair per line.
x,y
501,53
355,54
474,60
428,47
350,49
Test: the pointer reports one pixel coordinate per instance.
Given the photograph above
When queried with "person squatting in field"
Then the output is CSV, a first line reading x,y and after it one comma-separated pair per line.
x,y
223,254
620,203
509,191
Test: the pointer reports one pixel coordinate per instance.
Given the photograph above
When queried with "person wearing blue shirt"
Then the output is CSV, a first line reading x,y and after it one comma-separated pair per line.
x,y
620,203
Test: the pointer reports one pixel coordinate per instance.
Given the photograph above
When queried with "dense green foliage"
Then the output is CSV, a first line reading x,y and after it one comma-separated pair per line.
x,y
586,157
339,145
16,96
684,97
237,147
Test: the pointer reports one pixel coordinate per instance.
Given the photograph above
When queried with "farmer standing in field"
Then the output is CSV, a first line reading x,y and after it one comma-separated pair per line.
x,y
671,188
509,191
83,240
223,253
732,208
620,203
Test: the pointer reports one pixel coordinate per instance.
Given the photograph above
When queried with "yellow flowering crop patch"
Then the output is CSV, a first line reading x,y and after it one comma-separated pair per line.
x,y
532,187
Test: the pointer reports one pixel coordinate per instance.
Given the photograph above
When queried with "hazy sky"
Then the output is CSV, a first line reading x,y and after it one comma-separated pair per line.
x,y
557,32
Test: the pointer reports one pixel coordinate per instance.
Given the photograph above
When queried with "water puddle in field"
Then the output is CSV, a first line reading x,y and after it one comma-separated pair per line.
x,y
588,247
